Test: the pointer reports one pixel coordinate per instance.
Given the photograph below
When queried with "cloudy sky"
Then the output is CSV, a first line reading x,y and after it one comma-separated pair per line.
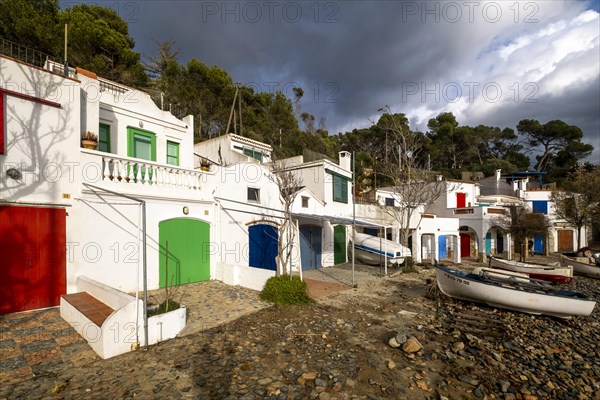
x,y
489,62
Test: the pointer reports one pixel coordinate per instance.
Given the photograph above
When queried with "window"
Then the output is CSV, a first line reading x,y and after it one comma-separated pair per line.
x,y
304,202
254,195
141,144
172,153
389,201
104,138
340,189
540,206
250,153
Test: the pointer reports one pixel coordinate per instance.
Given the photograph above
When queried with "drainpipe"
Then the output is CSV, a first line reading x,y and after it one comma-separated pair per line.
x,y
144,259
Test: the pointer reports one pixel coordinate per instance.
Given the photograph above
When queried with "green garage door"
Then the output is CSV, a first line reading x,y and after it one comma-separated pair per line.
x,y
188,242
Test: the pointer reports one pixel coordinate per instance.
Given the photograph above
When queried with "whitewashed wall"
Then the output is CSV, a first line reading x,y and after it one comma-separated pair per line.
x,y
41,141
136,109
103,239
234,219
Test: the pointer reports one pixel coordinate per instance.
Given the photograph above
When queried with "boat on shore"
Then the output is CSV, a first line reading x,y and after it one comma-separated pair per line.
x,y
580,267
550,273
507,290
374,250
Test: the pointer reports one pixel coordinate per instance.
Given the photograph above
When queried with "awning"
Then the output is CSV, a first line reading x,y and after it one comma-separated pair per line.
x,y
342,220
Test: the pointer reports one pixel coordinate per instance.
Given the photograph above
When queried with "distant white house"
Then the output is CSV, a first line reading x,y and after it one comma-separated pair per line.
x,y
431,237
231,149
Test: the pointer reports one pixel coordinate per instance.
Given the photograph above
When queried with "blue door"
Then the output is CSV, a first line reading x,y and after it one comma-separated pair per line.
x,y
263,246
538,244
442,247
310,247
488,243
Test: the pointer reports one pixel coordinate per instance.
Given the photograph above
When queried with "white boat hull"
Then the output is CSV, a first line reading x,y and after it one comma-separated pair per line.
x,y
563,274
373,250
581,268
510,295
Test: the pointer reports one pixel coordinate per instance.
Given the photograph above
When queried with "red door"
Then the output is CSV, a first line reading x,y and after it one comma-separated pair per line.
x,y
461,200
33,259
465,245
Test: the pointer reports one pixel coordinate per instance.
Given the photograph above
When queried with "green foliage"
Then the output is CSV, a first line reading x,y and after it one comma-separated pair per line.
x,y
560,145
283,290
32,23
165,307
98,38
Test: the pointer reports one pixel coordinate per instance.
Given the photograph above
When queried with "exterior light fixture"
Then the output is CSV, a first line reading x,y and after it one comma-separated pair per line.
x,y
186,210
14,173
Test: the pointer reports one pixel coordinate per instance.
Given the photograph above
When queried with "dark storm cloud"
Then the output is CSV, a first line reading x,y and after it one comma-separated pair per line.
x,y
354,57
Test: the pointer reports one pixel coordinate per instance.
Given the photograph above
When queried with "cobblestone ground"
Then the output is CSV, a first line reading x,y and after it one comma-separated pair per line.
x,y
339,348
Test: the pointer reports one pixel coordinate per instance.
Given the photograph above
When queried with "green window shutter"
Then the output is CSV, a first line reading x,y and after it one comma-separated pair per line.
x,y
344,194
172,153
340,189
141,144
104,138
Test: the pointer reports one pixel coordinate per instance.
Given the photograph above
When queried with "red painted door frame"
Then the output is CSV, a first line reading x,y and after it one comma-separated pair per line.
x,y
33,253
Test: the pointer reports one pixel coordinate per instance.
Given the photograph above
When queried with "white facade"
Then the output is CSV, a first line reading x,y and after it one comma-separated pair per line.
x,y
231,149
560,231
246,195
426,228
44,116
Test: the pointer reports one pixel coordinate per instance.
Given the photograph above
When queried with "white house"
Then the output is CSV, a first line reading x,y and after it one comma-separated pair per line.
x,y
326,188
431,236
101,220
231,149
562,236
479,206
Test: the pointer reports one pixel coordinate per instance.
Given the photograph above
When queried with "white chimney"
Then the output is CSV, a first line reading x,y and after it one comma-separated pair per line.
x,y
345,160
498,174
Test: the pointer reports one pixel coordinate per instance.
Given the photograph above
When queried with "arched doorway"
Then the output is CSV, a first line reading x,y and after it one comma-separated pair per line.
x,y
263,243
187,241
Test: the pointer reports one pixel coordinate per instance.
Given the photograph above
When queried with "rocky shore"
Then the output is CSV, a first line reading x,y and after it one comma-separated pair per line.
x,y
391,338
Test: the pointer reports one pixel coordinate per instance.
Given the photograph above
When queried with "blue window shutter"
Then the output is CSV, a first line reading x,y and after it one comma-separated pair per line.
x,y
540,206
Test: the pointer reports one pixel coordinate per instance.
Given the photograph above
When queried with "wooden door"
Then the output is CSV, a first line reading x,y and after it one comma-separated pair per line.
x,y
33,251
565,240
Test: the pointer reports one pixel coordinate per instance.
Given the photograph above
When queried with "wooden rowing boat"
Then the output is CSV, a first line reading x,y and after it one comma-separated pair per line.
x,y
581,268
504,289
551,273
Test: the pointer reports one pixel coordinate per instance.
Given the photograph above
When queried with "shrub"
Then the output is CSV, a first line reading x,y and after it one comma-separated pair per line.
x,y
409,265
283,290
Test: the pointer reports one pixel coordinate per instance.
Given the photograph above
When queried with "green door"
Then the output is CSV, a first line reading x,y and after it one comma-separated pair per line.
x,y
187,241
339,244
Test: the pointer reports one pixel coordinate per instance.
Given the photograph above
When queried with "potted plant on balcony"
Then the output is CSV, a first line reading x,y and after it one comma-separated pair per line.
x,y
89,140
204,164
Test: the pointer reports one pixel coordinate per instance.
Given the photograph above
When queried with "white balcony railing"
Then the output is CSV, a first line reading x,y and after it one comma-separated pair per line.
x,y
133,171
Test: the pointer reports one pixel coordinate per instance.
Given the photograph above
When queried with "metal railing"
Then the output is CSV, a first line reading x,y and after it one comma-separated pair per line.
x,y
24,53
